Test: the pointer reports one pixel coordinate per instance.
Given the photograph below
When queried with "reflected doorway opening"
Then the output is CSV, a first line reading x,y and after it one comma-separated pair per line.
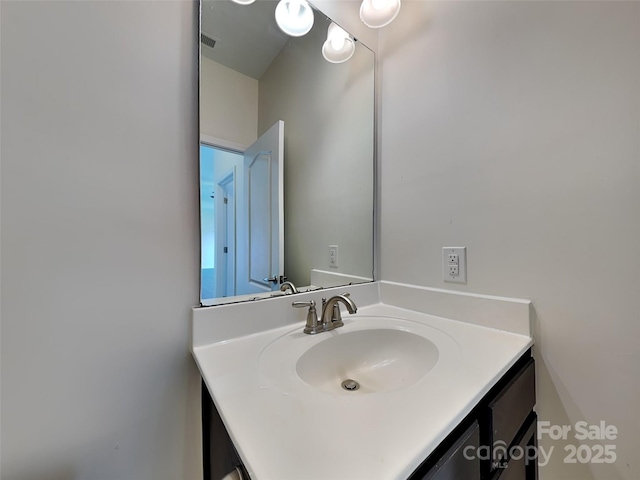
x,y
218,190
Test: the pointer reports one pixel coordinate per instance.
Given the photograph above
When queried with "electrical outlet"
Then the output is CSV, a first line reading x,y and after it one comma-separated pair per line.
x,y
454,264
333,256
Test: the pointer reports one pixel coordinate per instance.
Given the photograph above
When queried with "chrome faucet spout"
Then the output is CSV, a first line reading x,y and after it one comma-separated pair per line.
x,y
331,316
288,286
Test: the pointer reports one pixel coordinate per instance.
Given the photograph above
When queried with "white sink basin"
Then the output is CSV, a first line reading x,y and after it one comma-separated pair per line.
x,y
379,354
377,360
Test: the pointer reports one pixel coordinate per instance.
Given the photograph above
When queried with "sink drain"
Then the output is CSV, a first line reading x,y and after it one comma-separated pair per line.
x,y
350,385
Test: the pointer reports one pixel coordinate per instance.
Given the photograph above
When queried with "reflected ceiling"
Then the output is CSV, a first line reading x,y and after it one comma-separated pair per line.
x,y
249,50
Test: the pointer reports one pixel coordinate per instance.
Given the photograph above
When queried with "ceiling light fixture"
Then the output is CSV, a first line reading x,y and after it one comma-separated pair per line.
x,y
379,13
294,17
244,2
339,46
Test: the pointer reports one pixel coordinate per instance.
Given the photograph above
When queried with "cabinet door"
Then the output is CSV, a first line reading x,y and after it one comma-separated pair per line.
x,y
521,467
219,456
455,464
509,410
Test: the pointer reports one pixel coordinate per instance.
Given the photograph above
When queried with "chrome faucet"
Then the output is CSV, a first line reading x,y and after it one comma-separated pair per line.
x,y
331,317
288,286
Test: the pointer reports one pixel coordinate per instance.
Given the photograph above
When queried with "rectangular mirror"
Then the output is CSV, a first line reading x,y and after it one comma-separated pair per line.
x,y
286,156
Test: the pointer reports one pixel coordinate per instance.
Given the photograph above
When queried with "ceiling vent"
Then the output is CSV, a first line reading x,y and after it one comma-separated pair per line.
x,y
207,41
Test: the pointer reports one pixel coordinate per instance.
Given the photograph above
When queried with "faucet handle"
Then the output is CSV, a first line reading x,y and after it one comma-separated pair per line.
x,y
312,326
310,304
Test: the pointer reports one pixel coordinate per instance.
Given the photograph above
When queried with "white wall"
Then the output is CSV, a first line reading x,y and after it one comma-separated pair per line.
x,y
228,104
512,128
99,240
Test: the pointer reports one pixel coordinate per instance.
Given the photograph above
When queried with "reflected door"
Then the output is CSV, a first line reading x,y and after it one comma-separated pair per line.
x,y
261,219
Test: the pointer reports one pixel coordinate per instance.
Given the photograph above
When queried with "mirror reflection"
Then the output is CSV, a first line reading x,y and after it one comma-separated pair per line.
x,y
286,154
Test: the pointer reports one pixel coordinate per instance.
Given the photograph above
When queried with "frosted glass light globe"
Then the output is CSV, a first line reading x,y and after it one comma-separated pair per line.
x,y
294,17
379,13
339,46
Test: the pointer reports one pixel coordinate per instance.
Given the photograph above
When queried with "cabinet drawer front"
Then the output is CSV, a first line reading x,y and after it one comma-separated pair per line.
x,y
511,407
455,464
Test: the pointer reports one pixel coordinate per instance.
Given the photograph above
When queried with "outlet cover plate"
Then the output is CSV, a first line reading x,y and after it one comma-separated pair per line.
x,y
333,256
449,262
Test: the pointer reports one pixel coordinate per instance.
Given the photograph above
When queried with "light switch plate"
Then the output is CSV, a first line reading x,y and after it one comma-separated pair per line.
x,y
454,264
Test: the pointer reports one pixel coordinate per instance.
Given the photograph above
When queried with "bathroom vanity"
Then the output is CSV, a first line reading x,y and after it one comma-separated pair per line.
x,y
447,387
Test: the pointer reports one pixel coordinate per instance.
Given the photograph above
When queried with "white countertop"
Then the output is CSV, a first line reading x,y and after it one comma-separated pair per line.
x,y
289,430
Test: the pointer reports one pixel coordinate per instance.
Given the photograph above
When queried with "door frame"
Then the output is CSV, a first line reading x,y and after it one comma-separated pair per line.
x,y
223,214
220,144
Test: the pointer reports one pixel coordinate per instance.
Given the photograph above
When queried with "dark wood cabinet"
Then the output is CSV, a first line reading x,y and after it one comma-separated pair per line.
x,y
507,412
500,434
219,456
521,466
454,464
